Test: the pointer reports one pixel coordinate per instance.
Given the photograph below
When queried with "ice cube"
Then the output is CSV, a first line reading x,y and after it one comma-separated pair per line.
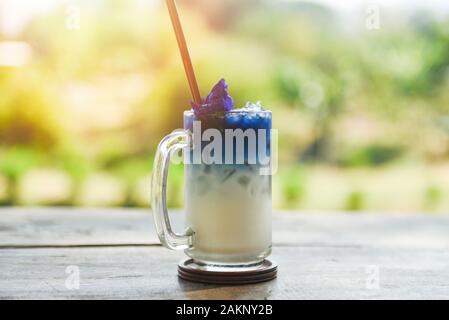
x,y
226,174
202,185
244,181
250,106
233,120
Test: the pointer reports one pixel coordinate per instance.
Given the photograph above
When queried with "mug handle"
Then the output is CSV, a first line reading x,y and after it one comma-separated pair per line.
x,y
179,139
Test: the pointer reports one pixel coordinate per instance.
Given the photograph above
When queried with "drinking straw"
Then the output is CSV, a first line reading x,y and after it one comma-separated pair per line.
x,y
184,51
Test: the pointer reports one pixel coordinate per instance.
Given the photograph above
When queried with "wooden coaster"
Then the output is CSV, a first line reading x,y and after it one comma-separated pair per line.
x,y
191,271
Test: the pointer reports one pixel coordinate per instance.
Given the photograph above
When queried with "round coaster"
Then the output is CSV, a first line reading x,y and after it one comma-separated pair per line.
x,y
191,271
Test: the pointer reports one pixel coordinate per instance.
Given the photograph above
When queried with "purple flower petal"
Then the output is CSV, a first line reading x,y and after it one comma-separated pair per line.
x,y
218,101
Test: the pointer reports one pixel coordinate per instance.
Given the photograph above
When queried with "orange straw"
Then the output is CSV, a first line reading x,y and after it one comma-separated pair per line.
x,y
184,51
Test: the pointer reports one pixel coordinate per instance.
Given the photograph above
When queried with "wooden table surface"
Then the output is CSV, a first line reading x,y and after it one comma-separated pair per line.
x,y
321,256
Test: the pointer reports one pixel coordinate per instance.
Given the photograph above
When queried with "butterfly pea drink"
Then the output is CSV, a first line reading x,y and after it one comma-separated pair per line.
x,y
228,192
227,161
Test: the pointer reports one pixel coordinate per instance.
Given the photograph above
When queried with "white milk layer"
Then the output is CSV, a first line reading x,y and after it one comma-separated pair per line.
x,y
230,215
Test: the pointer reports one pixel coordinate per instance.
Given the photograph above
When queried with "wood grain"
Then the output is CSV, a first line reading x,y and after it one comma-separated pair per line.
x,y
75,227
150,273
320,256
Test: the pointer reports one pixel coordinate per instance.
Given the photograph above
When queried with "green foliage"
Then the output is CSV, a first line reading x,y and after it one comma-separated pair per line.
x,y
373,155
292,56
287,83
74,164
175,191
15,161
355,201
435,58
293,186
432,197
27,115
132,169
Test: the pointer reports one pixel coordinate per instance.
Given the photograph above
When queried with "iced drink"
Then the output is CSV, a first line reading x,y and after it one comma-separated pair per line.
x,y
229,205
227,185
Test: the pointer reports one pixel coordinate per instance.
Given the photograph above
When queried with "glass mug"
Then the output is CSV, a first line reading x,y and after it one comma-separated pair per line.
x,y
228,206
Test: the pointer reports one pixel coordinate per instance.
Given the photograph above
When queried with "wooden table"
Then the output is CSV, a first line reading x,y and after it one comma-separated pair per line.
x,y
321,256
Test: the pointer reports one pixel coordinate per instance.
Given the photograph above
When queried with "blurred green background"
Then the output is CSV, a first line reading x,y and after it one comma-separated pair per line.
x,y
88,89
